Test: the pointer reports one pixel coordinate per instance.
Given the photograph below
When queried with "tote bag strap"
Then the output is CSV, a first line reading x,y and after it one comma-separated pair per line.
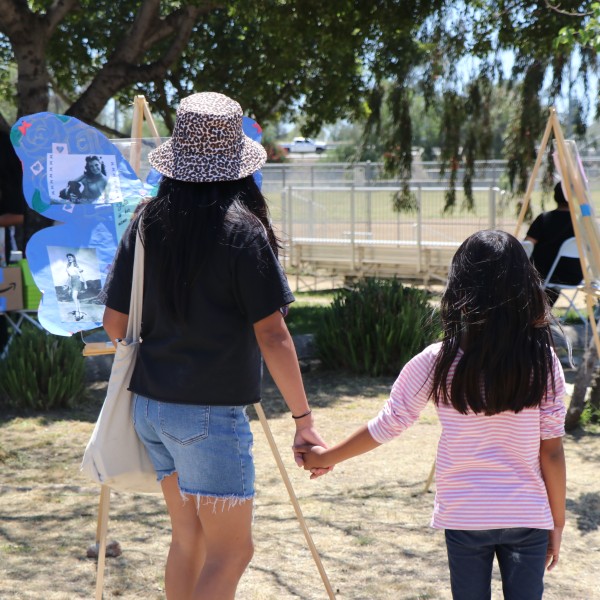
x,y
137,291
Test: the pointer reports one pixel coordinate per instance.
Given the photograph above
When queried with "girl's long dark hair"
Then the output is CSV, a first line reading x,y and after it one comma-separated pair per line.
x,y
183,224
495,310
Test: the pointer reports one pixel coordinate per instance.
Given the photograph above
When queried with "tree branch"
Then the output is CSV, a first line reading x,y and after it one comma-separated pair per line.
x,y
166,26
58,11
133,42
123,67
568,13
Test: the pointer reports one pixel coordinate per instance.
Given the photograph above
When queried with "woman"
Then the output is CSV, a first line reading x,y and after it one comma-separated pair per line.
x,y
214,298
75,283
90,186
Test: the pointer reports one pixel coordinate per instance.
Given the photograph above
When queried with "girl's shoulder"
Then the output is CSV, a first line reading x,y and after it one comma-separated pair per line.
x,y
432,350
428,355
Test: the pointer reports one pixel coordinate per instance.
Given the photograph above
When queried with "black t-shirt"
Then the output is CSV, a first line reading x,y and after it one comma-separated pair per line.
x,y
551,229
214,358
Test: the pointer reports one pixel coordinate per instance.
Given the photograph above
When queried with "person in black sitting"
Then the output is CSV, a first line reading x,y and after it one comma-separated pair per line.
x,y
547,232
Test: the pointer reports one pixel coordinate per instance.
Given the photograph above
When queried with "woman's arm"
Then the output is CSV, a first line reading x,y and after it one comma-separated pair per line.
x,y
554,472
115,324
279,353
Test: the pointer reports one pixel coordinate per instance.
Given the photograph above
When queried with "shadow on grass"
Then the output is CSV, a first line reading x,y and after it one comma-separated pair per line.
x,y
323,388
587,509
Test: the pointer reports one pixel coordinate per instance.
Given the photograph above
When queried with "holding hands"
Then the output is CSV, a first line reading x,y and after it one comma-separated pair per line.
x,y
306,438
314,459
319,459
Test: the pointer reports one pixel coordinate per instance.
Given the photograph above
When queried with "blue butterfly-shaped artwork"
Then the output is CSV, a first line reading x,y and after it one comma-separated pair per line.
x,y
76,176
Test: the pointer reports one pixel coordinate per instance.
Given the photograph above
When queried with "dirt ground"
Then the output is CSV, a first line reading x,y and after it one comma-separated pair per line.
x,y
369,518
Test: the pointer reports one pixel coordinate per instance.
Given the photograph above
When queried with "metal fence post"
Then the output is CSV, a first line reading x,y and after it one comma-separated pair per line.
x,y
353,225
419,226
492,208
290,219
285,230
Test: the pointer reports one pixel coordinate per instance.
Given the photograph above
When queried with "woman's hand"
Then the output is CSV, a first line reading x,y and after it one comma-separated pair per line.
x,y
306,437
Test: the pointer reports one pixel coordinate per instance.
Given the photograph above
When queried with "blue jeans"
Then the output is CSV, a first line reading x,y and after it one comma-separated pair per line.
x,y
521,556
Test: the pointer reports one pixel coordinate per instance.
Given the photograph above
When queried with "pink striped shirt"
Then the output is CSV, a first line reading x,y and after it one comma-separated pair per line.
x,y
488,473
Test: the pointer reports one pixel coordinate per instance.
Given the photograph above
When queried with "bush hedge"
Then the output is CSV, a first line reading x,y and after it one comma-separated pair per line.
x,y
375,327
41,371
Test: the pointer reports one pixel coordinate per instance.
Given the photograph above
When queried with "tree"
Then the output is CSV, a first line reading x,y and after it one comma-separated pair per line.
x,y
274,57
326,60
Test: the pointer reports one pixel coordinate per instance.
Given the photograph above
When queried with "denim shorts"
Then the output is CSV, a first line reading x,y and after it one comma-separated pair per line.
x,y
209,447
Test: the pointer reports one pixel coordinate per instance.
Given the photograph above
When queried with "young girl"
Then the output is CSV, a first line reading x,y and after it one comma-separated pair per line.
x,y
498,388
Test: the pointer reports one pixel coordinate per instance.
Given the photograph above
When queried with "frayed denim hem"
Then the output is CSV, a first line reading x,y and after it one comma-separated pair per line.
x,y
230,500
160,476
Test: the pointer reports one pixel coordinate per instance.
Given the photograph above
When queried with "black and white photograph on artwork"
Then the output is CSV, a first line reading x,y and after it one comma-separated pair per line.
x,y
77,283
82,178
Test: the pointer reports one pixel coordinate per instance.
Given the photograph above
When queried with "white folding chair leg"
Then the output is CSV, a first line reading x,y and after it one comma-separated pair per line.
x,y
582,314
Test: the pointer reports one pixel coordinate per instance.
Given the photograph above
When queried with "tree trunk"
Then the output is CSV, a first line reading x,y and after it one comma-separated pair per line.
x,y
33,81
583,379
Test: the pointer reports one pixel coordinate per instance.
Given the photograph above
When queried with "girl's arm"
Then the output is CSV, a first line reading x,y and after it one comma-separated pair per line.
x,y
279,353
359,442
554,472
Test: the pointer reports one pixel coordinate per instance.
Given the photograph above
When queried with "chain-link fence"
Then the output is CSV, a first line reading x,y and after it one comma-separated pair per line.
x,y
341,218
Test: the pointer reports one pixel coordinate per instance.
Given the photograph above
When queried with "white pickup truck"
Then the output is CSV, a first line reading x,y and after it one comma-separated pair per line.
x,y
304,145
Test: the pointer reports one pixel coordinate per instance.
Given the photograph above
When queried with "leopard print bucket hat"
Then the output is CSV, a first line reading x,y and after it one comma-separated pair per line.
x,y
208,143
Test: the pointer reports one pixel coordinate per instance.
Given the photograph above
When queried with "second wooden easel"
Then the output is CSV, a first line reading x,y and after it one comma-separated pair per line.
x,y
585,226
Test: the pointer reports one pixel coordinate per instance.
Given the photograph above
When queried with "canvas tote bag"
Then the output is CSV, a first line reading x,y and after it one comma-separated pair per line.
x,y
115,456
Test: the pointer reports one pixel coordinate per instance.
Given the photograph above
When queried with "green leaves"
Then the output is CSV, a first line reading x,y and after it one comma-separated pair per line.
x,y
375,327
41,371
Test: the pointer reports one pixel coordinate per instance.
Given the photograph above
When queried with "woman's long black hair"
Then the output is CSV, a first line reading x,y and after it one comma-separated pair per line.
x,y
495,310
183,224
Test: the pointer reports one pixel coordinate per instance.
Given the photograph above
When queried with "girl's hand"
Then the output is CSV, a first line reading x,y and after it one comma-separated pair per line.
x,y
315,460
307,437
554,539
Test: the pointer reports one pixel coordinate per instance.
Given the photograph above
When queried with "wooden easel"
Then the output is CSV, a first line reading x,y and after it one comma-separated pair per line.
x,y
585,227
141,111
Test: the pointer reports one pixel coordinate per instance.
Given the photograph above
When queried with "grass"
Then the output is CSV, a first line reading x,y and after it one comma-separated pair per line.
x,y
305,315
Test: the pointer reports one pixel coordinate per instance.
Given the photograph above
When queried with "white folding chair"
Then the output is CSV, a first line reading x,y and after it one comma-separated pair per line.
x,y
568,249
528,247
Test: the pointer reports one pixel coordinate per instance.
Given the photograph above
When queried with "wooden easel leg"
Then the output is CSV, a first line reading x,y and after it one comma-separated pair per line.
x,y
101,531
294,499
430,478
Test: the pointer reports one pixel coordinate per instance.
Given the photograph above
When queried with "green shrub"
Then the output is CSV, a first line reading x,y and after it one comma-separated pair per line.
x,y
41,371
375,327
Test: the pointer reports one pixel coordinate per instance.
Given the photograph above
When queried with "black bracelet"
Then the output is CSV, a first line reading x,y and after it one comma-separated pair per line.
x,y
304,415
